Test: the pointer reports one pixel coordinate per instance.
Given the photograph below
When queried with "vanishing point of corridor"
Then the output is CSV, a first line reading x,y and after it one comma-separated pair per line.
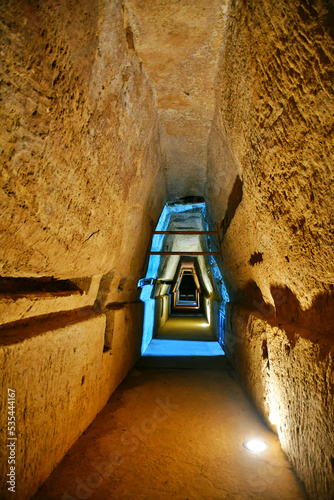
x,y
166,249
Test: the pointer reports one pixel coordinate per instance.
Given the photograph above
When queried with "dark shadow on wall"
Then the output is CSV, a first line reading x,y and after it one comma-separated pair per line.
x,y
232,205
314,323
24,286
21,330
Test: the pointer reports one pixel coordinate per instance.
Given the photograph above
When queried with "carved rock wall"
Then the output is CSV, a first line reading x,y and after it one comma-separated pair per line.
x,y
82,187
288,372
81,190
274,129
81,172
62,377
270,190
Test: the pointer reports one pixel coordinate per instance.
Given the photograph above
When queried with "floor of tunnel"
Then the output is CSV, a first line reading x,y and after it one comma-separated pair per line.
x,y
184,342
167,353
174,434
186,328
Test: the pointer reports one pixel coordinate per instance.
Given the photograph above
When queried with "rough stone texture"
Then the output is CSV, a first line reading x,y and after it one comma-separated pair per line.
x,y
291,380
81,173
87,90
15,307
81,190
274,127
62,378
179,45
52,399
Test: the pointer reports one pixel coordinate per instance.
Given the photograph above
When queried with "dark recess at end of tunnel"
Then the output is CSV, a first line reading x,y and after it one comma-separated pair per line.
x,y
186,200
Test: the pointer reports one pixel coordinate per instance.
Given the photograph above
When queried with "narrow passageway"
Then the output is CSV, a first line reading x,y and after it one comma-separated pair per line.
x,y
167,208
174,434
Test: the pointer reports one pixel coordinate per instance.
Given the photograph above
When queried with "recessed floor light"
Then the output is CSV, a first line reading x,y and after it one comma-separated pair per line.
x,y
255,445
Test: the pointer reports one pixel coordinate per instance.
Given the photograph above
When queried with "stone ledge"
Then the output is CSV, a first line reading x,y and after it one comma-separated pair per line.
x,y
19,331
17,306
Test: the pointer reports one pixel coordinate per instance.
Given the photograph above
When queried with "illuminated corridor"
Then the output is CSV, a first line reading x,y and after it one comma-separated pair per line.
x,y
166,234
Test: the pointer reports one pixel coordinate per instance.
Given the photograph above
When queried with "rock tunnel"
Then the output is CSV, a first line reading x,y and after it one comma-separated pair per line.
x,y
156,155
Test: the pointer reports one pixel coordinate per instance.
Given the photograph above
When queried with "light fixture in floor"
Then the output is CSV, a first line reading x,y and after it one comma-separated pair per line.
x,y
255,445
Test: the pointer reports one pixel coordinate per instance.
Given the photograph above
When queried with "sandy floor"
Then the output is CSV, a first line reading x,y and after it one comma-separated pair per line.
x,y
174,434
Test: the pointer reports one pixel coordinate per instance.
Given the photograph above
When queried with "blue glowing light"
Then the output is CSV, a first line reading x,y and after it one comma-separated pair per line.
x,y
176,348
147,293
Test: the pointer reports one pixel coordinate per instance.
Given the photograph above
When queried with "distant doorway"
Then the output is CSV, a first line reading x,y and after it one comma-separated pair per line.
x,y
187,291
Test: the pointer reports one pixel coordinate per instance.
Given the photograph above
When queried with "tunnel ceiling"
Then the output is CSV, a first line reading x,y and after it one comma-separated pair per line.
x,y
178,44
